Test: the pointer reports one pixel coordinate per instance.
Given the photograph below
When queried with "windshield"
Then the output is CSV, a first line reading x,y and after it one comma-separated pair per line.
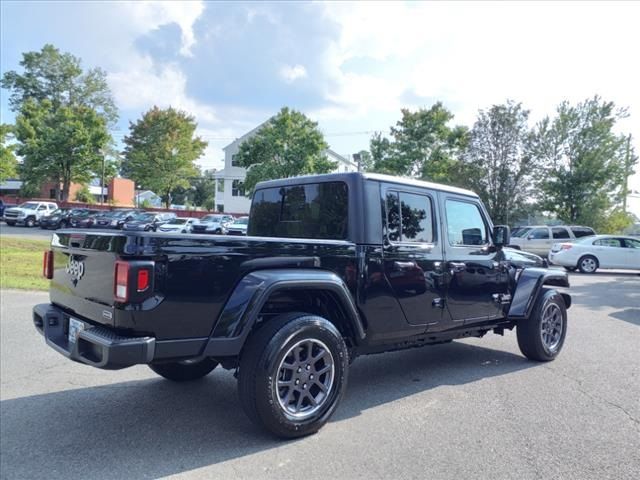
x,y
29,205
177,221
144,217
588,239
522,233
211,218
242,221
60,211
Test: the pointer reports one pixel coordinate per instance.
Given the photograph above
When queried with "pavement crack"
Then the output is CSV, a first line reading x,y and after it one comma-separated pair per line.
x,y
594,397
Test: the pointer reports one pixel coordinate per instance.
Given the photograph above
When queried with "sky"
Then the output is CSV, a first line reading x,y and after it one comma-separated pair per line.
x,y
349,66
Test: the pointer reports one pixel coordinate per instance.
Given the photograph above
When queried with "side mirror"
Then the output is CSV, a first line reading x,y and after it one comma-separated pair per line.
x,y
501,236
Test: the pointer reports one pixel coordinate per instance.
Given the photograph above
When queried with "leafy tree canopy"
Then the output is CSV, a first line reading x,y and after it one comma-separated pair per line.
x,y
497,164
64,144
287,145
58,77
422,145
8,161
161,150
584,160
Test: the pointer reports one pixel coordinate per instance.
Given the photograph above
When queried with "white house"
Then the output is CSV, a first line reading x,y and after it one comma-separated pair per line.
x,y
231,197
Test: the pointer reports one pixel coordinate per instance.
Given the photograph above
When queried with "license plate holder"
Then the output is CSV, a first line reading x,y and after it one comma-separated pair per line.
x,y
75,327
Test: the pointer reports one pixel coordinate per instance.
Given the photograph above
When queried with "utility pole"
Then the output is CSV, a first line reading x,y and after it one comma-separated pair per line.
x,y
627,167
102,179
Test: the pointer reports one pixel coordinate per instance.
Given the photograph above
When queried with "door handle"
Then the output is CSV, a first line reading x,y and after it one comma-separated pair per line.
x,y
457,267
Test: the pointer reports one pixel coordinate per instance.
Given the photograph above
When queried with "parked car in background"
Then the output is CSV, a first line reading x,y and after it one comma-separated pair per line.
x,y
539,239
588,254
213,224
61,218
115,218
239,227
147,221
29,213
178,225
84,218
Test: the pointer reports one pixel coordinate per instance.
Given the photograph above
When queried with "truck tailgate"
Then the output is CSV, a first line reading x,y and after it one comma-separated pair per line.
x,y
83,277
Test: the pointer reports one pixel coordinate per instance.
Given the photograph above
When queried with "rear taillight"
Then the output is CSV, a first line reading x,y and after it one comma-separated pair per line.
x,y
121,284
47,264
565,246
143,279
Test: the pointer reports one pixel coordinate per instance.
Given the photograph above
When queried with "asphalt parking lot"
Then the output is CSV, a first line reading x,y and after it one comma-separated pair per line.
x,y
470,409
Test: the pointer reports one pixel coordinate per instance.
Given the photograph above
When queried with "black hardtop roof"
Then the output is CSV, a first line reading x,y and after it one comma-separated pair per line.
x,y
358,176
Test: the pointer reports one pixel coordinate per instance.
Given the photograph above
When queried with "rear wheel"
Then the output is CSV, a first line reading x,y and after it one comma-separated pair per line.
x,y
541,336
185,370
588,264
293,372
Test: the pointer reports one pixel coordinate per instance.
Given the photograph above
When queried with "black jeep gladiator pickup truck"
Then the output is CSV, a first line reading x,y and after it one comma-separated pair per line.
x,y
333,267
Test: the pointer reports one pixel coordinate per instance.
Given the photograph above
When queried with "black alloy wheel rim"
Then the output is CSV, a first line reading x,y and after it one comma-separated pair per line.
x,y
551,327
305,378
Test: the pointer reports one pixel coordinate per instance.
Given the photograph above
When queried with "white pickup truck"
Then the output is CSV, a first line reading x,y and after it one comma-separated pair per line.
x,y
28,213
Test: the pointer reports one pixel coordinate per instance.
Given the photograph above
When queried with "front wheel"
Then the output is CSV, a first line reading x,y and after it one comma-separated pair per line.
x,y
185,370
293,373
541,336
30,222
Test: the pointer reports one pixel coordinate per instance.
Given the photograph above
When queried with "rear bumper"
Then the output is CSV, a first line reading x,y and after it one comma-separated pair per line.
x,y
97,346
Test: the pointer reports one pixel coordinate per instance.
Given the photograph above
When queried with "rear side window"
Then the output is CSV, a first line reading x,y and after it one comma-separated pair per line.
x,y
608,242
409,218
465,225
539,234
579,232
559,232
316,210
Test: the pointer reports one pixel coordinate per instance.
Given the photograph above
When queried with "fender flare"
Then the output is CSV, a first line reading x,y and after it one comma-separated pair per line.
x,y
240,313
530,285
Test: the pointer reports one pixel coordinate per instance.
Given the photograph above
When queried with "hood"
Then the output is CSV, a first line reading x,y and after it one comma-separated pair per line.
x,y
521,259
237,227
19,210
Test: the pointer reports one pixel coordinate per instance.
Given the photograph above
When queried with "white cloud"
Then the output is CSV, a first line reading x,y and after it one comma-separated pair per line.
x,y
144,85
292,73
151,15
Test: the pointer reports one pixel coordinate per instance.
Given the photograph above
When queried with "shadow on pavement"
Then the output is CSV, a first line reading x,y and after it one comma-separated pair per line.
x,y
152,428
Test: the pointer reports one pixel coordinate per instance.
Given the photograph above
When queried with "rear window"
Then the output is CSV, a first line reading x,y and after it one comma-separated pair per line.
x,y
316,210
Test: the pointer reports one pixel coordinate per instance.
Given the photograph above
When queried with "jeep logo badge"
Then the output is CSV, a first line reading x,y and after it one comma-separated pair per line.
x,y
75,269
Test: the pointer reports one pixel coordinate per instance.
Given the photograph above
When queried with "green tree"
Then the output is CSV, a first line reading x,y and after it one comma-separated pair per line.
x,y
497,164
63,144
84,195
287,145
58,77
161,150
422,145
8,161
583,161
62,118
204,188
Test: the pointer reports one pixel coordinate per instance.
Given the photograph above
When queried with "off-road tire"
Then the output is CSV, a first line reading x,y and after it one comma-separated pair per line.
x,y
261,362
184,371
533,336
585,263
